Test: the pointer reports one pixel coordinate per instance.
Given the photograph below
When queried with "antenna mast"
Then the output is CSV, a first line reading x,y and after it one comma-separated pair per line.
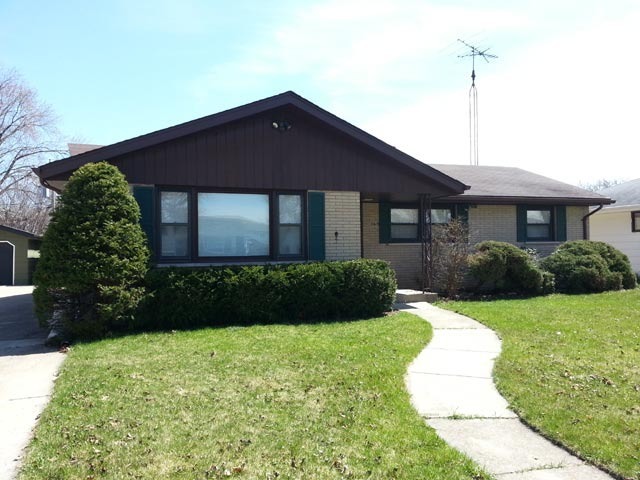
x,y
473,98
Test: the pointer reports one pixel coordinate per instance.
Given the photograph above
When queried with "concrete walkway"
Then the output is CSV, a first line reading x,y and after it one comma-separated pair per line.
x,y
451,386
27,372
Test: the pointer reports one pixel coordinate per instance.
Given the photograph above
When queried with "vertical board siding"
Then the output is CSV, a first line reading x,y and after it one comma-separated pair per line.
x,y
249,153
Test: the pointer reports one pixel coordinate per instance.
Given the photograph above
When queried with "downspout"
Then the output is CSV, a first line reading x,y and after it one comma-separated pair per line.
x,y
585,219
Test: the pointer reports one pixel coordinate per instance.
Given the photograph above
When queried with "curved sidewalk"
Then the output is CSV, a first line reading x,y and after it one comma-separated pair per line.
x,y
451,386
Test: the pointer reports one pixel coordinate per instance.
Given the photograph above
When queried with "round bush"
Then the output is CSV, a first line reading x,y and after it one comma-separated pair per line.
x,y
503,267
94,257
584,266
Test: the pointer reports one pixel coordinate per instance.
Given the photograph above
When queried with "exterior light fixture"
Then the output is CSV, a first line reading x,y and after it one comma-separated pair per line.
x,y
282,125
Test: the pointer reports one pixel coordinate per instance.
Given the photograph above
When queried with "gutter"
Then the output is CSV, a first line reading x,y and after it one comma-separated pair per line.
x,y
585,219
43,182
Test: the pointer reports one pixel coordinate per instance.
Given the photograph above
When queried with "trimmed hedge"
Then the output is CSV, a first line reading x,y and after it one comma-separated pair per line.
x,y
584,266
191,297
502,267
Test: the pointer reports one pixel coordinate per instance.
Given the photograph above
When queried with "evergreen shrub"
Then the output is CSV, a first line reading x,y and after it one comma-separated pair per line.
x,y
201,296
584,266
504,268
94,256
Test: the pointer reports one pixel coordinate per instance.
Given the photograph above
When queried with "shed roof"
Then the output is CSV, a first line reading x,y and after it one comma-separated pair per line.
x,y
502,185
627,193
16,231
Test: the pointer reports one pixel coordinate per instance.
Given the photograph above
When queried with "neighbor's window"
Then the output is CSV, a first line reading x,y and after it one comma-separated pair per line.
x,y
289,225
539,224
635,221
174,224
404,224
233,225
439,216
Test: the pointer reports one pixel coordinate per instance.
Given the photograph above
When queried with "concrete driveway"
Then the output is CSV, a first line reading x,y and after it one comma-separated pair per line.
x,y
27,372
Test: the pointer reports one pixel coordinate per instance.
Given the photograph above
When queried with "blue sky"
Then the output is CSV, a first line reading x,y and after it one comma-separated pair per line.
x,y
560,100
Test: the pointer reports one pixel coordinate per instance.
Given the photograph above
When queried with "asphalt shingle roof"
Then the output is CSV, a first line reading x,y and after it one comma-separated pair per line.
x,y
510,182
627,193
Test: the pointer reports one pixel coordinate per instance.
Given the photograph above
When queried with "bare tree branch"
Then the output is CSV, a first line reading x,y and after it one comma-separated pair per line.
x,y
27,131
28,138
26,205
601,184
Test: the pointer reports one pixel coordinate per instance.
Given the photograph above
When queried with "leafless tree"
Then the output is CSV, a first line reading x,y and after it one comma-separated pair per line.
x,y
450,253
28,137
600,184
27,206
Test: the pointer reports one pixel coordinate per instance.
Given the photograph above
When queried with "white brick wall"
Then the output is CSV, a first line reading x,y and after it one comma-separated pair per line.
x,y
405,258
492,222
498,222
342,215
574,222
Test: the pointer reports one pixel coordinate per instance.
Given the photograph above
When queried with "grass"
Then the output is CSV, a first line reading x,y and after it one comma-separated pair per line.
x,y
322,401
570,366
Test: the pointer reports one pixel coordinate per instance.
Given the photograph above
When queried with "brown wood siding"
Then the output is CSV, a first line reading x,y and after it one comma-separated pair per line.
x,y
251,154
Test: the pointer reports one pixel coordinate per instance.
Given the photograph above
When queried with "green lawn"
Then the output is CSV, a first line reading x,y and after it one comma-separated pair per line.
x,y
322,401
570,366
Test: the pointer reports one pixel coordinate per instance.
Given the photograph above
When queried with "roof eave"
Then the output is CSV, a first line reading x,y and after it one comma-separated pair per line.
x,y
537,200
17,231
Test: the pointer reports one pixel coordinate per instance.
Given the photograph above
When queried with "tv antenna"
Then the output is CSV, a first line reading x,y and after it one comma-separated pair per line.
x,y
473,98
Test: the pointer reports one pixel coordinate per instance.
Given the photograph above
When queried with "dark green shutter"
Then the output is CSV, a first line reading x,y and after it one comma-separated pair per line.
x,y
316,225
146,199
462,213
384,222
521,220
561,223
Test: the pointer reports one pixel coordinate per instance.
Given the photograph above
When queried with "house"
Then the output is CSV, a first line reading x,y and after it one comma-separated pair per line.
x,y
18,252
282,180
619,224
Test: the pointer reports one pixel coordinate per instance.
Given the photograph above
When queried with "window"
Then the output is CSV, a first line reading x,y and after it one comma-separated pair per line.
x,y
539,224
233,225
635,221
174,224
404,224
401,222
289,225
439,216
206,226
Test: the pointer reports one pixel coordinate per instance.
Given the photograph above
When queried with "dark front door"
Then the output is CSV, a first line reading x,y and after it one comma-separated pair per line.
x,y
6,263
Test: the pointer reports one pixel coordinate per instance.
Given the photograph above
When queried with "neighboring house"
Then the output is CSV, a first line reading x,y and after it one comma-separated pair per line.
x,y
619,224
282,180
17,256
78,148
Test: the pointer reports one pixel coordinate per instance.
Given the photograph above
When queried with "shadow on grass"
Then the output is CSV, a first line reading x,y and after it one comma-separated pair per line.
x,y
490,297
218,324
